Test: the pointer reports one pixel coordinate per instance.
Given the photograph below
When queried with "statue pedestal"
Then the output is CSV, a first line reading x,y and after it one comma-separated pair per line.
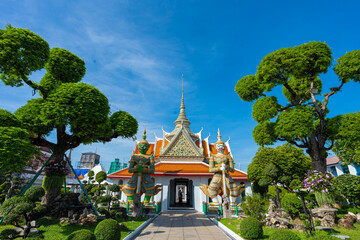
x,y
227,213
137,206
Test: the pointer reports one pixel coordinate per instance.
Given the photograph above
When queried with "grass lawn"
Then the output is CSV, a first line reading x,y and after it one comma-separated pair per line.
x,y
54,231
354,233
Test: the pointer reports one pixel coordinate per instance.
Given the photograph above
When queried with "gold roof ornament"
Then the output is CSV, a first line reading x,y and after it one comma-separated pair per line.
x,y
219,141
144,138
182,119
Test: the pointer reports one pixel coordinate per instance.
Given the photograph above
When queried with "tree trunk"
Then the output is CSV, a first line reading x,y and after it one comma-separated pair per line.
x,y
54,178
318,162
50,196
318,154
277,196
10,190
52,186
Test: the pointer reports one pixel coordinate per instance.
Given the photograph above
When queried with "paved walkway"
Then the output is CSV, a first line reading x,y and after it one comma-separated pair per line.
x,y
176,225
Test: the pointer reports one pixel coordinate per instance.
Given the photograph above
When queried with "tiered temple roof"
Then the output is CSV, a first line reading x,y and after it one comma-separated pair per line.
x,y
181,152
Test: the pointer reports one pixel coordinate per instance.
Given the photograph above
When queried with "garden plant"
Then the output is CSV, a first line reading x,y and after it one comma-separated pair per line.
x,y
302,119
77,113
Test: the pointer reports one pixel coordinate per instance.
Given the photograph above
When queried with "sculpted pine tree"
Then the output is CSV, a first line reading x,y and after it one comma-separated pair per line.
x,y
76,112
301,120
282,165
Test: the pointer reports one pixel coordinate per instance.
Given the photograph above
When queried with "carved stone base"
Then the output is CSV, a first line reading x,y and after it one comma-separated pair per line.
x,y
137,206
227,213
278,218
327,216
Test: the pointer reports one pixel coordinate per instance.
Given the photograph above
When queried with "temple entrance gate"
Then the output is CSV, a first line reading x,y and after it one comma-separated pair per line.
x,y
181,193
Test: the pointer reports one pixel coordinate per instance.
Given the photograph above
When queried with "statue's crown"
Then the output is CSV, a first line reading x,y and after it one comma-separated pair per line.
x,y
144,138
219,141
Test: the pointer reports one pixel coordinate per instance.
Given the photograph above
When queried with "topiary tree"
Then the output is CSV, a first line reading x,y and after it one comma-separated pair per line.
x,y
254,206
23,208
108,229
10,185
251,228
100,177
8,233
76,112
291,204
348,186
83,234
16,151
284,234
278,166
302,119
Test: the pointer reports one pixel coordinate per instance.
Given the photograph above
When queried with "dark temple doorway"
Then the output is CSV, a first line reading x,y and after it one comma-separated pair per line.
x,y
181,193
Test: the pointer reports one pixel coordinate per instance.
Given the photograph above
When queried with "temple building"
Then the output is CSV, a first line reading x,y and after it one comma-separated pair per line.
x,y
181,164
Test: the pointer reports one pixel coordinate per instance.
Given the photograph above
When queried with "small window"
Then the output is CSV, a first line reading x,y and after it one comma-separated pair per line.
x,y
345,169
357,168
333,171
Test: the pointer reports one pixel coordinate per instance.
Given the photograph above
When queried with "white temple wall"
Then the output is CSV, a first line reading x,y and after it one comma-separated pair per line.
x,y
198,196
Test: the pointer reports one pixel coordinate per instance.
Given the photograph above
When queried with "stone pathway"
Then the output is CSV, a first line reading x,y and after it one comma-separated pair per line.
x,y
176,225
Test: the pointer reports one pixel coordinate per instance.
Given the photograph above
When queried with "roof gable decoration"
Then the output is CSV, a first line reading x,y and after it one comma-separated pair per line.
x,y
200,141
208,145
228,146
182,145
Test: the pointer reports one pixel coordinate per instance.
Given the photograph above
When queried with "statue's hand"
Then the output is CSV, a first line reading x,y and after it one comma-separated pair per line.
x,y
223,167
139,168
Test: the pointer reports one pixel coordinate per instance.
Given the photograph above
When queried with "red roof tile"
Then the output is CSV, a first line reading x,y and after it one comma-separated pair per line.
x,y
332,160
182,169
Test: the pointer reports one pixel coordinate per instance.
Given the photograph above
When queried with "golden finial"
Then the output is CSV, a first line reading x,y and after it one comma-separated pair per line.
x,y
219,137
144,135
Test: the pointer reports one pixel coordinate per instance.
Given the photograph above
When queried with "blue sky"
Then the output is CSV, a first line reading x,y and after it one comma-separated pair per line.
x,y
136,52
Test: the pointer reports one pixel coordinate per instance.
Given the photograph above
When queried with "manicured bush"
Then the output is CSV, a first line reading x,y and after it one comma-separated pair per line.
x,y
82,234
251,228
34,193
9,233
284,234
292,204
100,176
254,206
108,229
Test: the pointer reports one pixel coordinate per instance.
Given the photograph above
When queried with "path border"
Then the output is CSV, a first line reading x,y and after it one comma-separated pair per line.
x,y
137,231
226,230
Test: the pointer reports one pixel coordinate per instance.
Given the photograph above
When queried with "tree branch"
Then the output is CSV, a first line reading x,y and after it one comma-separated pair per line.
x,y
293,94
328,95
316,105
331,145
36,87
293,142
109,138
39,141
288,106
17,225
73,141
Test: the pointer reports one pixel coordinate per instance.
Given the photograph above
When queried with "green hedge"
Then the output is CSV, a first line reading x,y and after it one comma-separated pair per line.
x,y
251,228
108,229
82,234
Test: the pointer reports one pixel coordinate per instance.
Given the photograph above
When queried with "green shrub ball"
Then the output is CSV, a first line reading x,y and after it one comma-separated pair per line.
x,y
291,203
284,234
82,234
251,228
108,229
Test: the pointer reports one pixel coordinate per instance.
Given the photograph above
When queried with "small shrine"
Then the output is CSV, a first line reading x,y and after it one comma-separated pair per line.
x,y
184,165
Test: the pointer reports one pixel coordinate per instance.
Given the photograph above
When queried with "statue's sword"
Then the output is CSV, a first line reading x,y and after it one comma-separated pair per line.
x,y
223,167
138,187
